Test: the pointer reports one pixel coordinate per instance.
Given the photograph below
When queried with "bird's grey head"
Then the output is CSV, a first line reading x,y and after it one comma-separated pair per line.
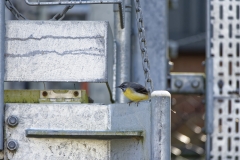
x,y
123,86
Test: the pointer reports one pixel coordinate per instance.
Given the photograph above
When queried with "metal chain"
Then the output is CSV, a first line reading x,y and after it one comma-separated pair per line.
x,y
60,16
143,46
15,12
19,16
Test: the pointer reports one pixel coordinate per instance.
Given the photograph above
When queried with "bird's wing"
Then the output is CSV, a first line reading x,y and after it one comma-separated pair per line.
x,y
139,88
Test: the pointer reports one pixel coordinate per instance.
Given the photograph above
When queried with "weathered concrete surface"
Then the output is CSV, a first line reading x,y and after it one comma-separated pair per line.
x,y
76,51
59,117
82,117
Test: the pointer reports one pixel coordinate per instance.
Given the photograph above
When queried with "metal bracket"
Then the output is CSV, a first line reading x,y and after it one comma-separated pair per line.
x,y
45,96
66,2
37,133
186,83
51,96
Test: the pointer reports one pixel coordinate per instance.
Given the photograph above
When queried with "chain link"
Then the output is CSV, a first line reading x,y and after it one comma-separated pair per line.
x,y
60,16
143,46
19,16
15,12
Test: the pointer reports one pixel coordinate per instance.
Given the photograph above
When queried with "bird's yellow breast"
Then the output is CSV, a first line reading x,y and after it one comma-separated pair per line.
x,y
135,96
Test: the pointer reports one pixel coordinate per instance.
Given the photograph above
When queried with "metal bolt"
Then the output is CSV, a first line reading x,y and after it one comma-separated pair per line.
x,y
220,83
12,121
178,83
12,145
44,93
75,93
195,83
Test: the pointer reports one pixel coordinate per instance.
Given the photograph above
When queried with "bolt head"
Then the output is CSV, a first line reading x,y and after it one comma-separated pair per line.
x,y
12,145
178,83
12,121
195,83
220,83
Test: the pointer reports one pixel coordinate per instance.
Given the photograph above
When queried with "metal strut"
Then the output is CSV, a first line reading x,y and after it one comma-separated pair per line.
x,y
71,3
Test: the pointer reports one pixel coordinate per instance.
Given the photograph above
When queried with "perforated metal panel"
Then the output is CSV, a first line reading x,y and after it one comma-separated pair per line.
x,y
225,50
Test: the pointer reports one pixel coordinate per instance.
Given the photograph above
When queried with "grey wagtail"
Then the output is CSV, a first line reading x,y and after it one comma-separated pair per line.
x,y
134,91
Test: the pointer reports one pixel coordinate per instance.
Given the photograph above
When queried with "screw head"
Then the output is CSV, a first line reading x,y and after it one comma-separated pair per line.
x,y
195,83
12,121
12,145
75,93
178,83
220,83
44,93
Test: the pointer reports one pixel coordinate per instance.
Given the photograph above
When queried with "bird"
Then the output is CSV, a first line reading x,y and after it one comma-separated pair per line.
x,y
134,92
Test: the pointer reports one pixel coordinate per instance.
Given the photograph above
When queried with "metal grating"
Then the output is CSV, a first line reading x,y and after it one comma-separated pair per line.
x,y
225,50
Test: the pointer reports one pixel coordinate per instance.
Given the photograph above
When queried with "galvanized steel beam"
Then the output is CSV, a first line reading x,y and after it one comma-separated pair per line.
x,y
155,22
223,81
123,47
161,125
209,83
133,117
187,83
120,3
2,69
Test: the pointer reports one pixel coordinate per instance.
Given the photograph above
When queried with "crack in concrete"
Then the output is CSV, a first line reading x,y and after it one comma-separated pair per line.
x,y
53,37
71,52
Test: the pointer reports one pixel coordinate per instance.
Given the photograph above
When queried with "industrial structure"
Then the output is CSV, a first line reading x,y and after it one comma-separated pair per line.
x,y
187,48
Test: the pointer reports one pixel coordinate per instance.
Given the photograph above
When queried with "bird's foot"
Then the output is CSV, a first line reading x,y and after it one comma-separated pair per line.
x,y
129,103
137,103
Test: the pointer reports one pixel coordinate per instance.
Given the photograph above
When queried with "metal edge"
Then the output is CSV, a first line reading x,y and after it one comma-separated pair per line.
x,y
2,69
71,2
209,83
38,133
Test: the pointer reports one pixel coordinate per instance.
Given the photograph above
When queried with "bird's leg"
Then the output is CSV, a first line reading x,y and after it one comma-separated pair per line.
x,y
137,103
130,103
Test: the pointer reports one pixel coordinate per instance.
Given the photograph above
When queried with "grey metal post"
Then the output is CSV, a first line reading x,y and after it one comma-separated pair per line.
x,y
155,22
209,83
160,125
123,41
2,51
